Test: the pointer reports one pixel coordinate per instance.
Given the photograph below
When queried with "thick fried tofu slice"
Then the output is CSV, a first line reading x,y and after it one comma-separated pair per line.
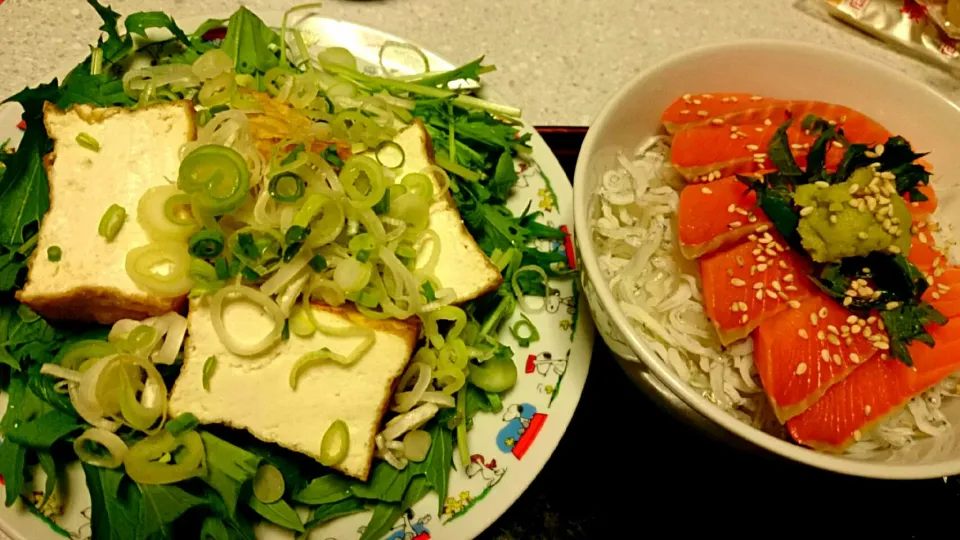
x,y
253,392
139,149
462,265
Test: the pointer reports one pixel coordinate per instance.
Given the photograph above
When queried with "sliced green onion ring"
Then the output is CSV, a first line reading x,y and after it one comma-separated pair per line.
x,y
286,187
268,484
216,176
338,55
218,90
521,299
256,297
162,268
418,183
335,444
402,57
352,275
209,368
114,447
211,64
111,222
144,461
165,213
206,244
532,335
390,154
362,181
85,140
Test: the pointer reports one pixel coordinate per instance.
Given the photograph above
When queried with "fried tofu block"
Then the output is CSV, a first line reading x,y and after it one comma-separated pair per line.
x,y
139,149
253,392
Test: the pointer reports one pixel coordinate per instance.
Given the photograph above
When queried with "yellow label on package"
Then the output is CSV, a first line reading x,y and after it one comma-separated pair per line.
x,y
903,23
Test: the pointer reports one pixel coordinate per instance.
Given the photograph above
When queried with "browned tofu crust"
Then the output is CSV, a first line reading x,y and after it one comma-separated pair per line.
x,y
104,305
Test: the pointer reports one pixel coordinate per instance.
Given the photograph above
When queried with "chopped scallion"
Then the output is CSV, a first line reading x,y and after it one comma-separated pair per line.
x,y
532,335
250,274
428,291
318,263
209,368
285,333
296,235
390,154
206,243
287,187
54,253
112,221
85,140
335,444
96,61
182,424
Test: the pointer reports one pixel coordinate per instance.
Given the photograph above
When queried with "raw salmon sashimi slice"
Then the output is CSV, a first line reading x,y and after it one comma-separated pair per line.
x,y
694,110
800,353
943,278
751,282
706,153
716,216
875,390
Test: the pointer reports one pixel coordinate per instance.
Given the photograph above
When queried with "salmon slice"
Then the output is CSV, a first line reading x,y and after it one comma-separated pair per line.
x,y
695,110
874,391
921,209
706,153
802,352
751,282
944,292
716,216
923,252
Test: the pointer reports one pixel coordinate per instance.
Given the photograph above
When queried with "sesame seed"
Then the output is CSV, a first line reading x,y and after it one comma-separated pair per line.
x,y
752,219
752,147
844,329
757,286
855,329
794,304
870,154
758,129
717,121
776,286
936,295
833,339
772,294
725,100
803,333
783,264
767,122
854,189
752,238
850,293
914,204
892,305
796,146
801,368
821,335
744,318
837,144
806,211
737,282
878,149
742,212
862,235
823,313
855,358
938,272
685,111
761,258
753,270
759,155
857,435
697,102
735,224
733,136
852,319
788,278
837,360
756,98
866,410
706,190
833,219
790,288
893,249
881,345
821,184
743,306
943,287
813,319
867,332
825,354
687,97
757,252
734,307
759,295
703,113
762,267
833,329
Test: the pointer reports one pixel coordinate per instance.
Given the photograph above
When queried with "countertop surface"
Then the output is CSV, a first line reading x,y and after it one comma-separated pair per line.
x,y
624,469
557,59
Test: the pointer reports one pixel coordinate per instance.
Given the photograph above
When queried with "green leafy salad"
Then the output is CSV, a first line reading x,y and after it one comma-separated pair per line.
x,y
301,196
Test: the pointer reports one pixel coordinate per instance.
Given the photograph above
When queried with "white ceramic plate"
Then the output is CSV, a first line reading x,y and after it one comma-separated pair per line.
x,y
510,448
787,70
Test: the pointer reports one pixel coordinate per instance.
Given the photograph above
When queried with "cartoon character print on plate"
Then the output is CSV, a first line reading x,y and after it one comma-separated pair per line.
x,y
550,369
411,529
488,472
523,424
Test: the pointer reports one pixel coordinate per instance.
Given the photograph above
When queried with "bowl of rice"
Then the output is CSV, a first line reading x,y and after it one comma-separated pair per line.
x,y
647,298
